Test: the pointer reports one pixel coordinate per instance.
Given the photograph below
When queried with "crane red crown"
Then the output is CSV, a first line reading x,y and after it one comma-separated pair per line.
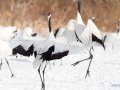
x,y
49,14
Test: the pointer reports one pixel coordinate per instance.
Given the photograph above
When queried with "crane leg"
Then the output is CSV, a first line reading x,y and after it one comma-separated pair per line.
x,y
9,68
40,77
112,47
54,62
1,64
88,72
91,57
16,56
92,48
43,76
61,61
49,66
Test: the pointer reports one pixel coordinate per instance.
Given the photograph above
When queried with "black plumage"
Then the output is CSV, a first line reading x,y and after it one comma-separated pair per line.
x,y
34,34
79,6
48,56
56,32
77,38
118,31
95,39
59,55
35,54
104,38
20,50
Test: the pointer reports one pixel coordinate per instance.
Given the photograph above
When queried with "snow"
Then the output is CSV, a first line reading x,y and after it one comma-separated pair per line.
x,y
104,72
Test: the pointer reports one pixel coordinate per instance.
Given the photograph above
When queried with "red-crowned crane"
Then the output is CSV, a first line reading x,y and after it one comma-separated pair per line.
x,y
111,38
89,35
49,50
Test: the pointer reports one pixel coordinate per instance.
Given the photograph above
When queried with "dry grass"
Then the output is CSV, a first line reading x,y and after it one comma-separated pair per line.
x,y
33,13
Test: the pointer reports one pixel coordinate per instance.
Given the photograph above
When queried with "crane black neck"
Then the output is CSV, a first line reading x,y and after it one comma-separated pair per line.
x,y
93,20
49,24
79,6
119,23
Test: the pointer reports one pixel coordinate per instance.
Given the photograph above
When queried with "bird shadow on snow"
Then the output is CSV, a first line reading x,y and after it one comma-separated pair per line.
x,y
20,60
115,85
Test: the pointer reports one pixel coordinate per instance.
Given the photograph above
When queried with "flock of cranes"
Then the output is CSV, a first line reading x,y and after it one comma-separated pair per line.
x,y
55,47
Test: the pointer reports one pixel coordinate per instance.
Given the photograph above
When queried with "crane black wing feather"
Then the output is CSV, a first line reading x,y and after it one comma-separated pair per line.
x,y
58,55
19,49
95,39
56,32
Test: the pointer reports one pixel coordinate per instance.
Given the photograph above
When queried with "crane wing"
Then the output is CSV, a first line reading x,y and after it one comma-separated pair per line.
x,y
59,55
91,34
59,32
68,35
60,50
80,26
68,47
24,43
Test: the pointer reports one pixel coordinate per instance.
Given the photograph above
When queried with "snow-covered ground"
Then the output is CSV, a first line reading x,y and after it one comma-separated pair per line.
x,y
104,72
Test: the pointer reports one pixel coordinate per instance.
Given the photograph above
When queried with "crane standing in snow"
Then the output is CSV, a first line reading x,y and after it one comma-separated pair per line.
x,y
113,37
5,49
48,52
89,36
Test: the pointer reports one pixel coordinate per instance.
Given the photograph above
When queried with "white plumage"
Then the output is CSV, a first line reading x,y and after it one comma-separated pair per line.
x,y
24,38
44,45
74,26
76,29
68,34
7,33
44,53
60,32
5,49
26,33
86,36
79,26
